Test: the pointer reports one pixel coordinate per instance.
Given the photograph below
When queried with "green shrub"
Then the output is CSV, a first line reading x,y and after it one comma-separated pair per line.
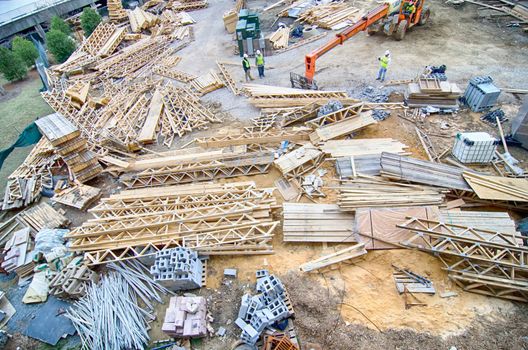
x,y
89,20
25,49
12,66
60,45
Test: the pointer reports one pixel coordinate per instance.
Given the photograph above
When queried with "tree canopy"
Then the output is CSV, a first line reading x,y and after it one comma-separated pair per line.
x,y
25,49
59,24
60,45
11,65
90,19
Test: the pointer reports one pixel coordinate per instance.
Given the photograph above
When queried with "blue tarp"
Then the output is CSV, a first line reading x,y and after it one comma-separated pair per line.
x,y
29,136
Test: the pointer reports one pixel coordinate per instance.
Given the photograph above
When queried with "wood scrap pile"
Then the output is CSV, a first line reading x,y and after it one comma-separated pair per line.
x,y
207,83
477,260
280,38
82,164
433,92
42,216
140,19
20,192
73,280
331,16
368,192
317,223
299,161
188,5
77,196
215,219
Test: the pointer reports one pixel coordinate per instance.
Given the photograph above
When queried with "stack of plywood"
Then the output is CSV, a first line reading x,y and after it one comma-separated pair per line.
x,y
497,187
317,223
213,219
16,249
66,138
433,92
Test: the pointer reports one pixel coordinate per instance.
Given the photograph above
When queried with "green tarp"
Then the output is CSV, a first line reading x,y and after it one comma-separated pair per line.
x,y
29,136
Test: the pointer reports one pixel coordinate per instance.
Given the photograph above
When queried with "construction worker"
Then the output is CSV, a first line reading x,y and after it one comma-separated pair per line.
x,y
259,62
384,64
247,67
409,8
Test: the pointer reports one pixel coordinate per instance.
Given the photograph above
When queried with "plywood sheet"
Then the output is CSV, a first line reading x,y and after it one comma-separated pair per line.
x,y
381,223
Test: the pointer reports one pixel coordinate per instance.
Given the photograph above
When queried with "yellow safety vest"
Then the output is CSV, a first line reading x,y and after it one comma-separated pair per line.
x,y
260,60
384,61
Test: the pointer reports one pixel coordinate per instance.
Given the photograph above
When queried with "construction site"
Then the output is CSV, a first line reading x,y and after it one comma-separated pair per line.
x,y
271,175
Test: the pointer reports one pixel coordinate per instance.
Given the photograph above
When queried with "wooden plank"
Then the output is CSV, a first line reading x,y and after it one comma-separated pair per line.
x,y
335,258
148,131
342,128
497,187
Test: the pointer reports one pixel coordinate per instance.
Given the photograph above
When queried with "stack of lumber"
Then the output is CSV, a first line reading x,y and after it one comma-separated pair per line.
x,y
347,167
207,83
16,249
487,220
214,219
361,147
104,40
414,170
497,187
66,138
231,17
316,223
432,92
299,161
140,19
342,127
335,258
279,97
116,12
77,196
371,192
280,38
181,33
188,5
330,16
236,137
78,93
42,216
73,280
477,260
197,166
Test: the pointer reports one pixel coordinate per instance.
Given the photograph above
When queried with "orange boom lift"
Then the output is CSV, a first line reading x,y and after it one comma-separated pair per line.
x,y
392,18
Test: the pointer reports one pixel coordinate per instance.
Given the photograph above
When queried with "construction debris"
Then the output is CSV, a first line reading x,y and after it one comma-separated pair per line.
x,y
178,269
73,280
335,258
433,92
263,310
186,317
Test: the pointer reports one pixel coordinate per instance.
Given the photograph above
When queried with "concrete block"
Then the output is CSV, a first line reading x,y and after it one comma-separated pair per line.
x,y
230,273
240,323
262,273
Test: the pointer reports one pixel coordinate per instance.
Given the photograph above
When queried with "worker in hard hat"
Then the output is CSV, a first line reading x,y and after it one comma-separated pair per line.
x,y
384,64
409,8
247,67
259,62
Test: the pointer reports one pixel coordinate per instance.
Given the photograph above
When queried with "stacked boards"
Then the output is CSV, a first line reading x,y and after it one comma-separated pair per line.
x,y
433,92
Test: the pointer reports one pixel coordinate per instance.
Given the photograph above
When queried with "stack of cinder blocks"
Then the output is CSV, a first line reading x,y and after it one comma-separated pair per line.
x,y
264,309
178,269
73,280
186,317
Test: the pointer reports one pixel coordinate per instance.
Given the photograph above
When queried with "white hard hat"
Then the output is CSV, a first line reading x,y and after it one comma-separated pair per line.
x,y
246,55
258,52
387,53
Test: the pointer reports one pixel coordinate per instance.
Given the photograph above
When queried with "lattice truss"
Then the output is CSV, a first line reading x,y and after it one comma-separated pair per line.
x,y
480,261
253,163
231,219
